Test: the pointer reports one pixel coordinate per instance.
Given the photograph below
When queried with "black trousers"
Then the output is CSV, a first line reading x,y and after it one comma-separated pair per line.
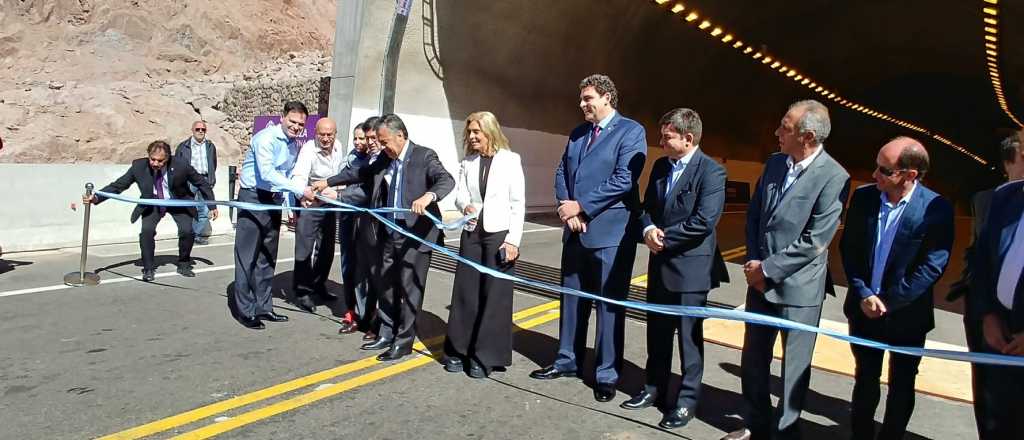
x,y
256,238
346,237
314,253
404,276
899,403
480,318
1001,396
755,368
147,242
368,285
660,331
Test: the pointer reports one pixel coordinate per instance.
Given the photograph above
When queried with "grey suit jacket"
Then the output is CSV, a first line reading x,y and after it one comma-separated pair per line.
x,y
790,232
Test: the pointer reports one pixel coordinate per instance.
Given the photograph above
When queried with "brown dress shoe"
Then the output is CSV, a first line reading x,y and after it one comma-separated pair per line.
x,y
741,434
347,327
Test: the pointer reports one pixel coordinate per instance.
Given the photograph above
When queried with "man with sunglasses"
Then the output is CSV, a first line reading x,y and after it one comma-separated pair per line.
x,y
895,247
200,152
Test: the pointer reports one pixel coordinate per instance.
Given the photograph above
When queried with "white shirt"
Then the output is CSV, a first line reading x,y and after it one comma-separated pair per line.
x,y
313,165
394,174
1009,273
799,167
199,161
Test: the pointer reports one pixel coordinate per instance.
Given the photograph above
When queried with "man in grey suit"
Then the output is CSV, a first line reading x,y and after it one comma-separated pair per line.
x,y
793,215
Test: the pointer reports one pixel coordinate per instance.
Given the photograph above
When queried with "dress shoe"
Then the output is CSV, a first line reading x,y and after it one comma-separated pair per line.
x,y
551,372
604,392
185,270
369,336
272,317
394,354
742,434
677,418
148,275
377,344
640,401
305,303
477,370
347,327
201,241
452,364
252,323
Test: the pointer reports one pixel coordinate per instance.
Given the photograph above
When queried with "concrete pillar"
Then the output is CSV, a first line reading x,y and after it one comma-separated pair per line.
x,y
347,31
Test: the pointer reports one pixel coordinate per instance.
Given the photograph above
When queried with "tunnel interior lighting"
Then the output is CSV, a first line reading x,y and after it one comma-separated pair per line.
x,y
992,54
990,26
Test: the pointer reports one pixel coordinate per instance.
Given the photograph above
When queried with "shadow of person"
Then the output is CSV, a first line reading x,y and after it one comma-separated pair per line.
x,y
835,409
158,261
9,265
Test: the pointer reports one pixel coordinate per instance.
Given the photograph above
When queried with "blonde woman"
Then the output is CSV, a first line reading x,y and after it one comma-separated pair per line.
x,y
491,184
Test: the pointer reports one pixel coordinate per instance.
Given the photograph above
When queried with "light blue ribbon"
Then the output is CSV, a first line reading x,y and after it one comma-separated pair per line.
x,y
674,310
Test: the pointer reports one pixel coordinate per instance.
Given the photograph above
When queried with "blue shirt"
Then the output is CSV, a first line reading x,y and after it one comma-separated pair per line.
x,y
269,162
889,217
678,166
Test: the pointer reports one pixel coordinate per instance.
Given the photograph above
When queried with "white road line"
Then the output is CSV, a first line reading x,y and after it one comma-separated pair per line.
x,y
171,249
173,274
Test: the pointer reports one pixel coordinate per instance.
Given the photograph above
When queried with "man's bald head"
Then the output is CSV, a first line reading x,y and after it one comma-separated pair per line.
x,y
326,133
907,154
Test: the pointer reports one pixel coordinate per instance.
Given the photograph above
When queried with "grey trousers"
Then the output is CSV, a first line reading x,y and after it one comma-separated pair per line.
x,y
256,237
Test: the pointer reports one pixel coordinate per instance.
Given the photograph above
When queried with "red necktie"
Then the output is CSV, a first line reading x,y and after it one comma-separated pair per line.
x,y
593,136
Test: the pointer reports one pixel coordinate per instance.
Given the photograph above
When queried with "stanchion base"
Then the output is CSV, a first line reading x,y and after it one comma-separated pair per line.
x,y
75,279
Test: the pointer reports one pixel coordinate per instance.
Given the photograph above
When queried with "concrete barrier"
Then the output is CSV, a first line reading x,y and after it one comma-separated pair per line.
x,y
36,213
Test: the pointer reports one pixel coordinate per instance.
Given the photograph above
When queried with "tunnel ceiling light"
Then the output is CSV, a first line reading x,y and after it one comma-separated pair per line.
x,y
791,74
990,27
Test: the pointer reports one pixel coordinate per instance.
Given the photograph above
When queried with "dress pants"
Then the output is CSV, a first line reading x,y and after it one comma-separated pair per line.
x,y
899,403
480,318
979,372
604,272
314,252
755,372
367,282
660,329
256,238
346,238
404,275
147,242
1002,397
201,225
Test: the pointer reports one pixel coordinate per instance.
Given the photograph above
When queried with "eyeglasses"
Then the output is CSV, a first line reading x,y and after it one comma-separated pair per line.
x,y
199,130
888,172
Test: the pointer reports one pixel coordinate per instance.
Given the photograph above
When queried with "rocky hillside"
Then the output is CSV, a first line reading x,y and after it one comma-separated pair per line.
x,y
95,81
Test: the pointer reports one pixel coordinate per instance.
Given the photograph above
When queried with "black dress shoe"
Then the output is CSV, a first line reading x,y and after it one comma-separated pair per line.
x,y
640,401
677,418
604,392
551,372
252,323
272,317
394,354
741,434
305,303
377,344
476,370
369,336
185,270
201,241
148,275
347,327
452,364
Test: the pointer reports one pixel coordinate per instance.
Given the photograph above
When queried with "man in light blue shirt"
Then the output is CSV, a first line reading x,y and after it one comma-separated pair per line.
x,y
264,179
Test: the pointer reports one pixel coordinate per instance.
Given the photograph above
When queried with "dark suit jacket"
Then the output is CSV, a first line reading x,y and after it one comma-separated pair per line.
x,y
790,232
691,260
604,180
179,175
918,257
422,173
184,152
997,234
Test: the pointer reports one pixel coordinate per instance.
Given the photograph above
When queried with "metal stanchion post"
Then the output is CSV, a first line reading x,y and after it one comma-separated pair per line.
x,y
232,178
83,278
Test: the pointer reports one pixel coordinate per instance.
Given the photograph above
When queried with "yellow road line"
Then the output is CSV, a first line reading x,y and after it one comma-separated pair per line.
x,y
285,387
333,390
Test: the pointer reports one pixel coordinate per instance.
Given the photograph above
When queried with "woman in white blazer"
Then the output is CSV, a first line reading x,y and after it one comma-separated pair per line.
x,y
490,183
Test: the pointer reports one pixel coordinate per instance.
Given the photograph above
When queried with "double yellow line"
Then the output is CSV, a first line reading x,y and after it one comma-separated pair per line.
x,y
528,318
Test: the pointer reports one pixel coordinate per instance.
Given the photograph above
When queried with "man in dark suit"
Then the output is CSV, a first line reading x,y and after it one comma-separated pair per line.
x,y
682,205
895,248
997,297
793,215
407,176
159,177
1013,166
200,152
599,202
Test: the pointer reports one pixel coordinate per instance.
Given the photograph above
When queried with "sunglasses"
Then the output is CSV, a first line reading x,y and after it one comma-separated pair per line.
x,y
199,130
888,172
